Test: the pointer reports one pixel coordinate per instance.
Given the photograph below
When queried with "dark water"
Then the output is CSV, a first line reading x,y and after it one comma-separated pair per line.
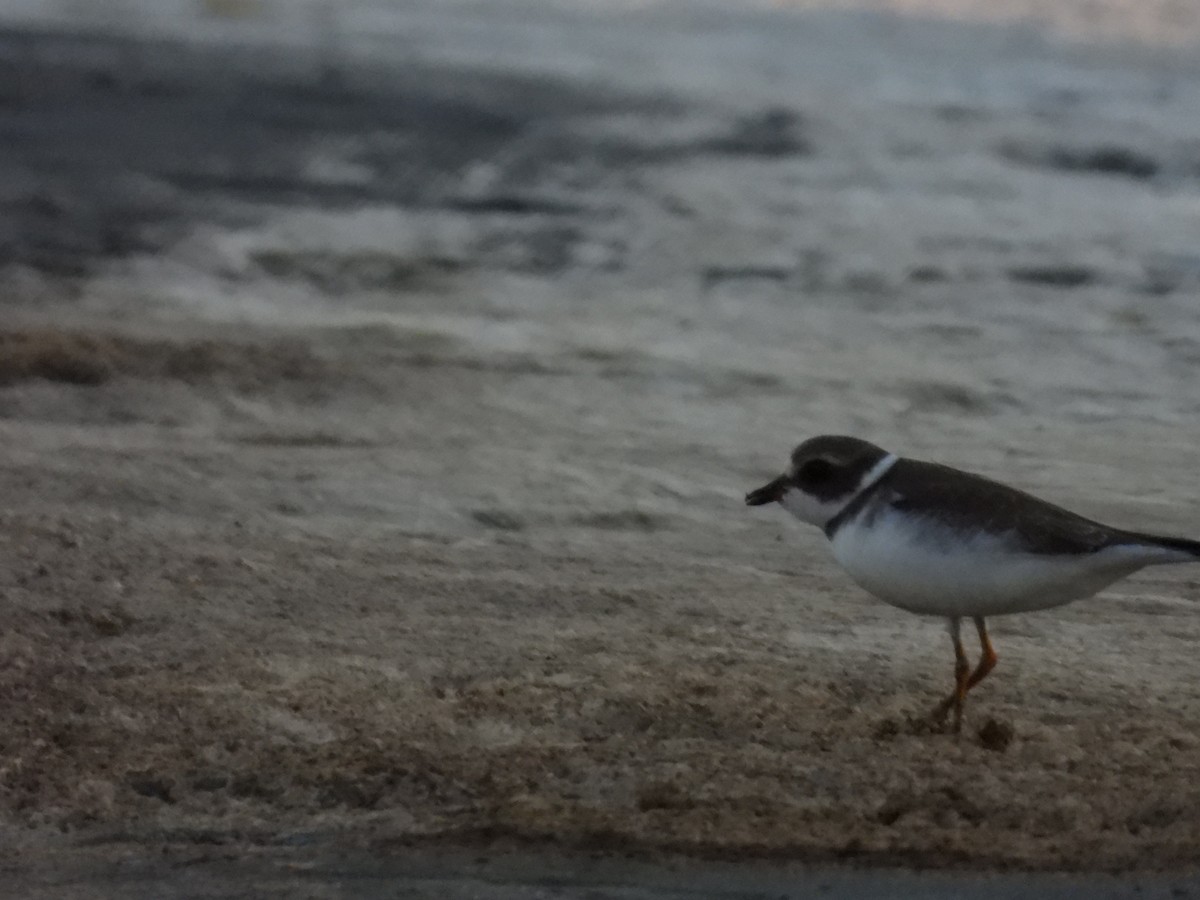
x,y
424,875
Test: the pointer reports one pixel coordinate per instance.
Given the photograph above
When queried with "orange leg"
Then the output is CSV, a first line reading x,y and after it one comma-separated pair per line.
x,y
987,661
962,678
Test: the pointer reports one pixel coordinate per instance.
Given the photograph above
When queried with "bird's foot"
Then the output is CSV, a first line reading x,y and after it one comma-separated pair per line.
x,y
939,719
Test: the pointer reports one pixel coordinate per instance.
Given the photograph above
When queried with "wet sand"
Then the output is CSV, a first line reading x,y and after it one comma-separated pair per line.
x,y
374,447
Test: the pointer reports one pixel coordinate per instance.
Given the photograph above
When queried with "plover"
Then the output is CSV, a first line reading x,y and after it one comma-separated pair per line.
x,y
939,541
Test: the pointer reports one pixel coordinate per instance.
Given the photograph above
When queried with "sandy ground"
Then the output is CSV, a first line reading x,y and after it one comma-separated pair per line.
x,y
373,450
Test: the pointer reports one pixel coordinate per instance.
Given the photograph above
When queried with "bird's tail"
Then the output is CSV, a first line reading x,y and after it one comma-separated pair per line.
x,y
1178,549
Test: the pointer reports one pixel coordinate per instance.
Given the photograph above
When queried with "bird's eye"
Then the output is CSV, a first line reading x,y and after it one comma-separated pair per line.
x,y
814,471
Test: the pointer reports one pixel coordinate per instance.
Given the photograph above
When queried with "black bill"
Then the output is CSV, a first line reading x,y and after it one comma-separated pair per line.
x,y
768,493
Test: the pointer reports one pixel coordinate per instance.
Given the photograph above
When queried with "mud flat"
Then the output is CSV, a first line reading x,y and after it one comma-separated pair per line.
x,y
374,449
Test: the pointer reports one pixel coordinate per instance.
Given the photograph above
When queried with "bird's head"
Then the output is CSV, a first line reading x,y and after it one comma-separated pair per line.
x,y
823,477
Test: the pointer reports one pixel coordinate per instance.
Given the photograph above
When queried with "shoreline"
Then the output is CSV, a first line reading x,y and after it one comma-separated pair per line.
x,y
218,871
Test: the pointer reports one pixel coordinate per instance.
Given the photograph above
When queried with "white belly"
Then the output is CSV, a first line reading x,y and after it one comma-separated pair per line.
x,y
926,568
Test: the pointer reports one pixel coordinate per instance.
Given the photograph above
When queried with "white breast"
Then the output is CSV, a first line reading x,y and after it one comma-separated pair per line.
x,y
925,567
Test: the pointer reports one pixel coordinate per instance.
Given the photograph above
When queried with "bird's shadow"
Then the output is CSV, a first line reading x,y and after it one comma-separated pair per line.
x,y
994,734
